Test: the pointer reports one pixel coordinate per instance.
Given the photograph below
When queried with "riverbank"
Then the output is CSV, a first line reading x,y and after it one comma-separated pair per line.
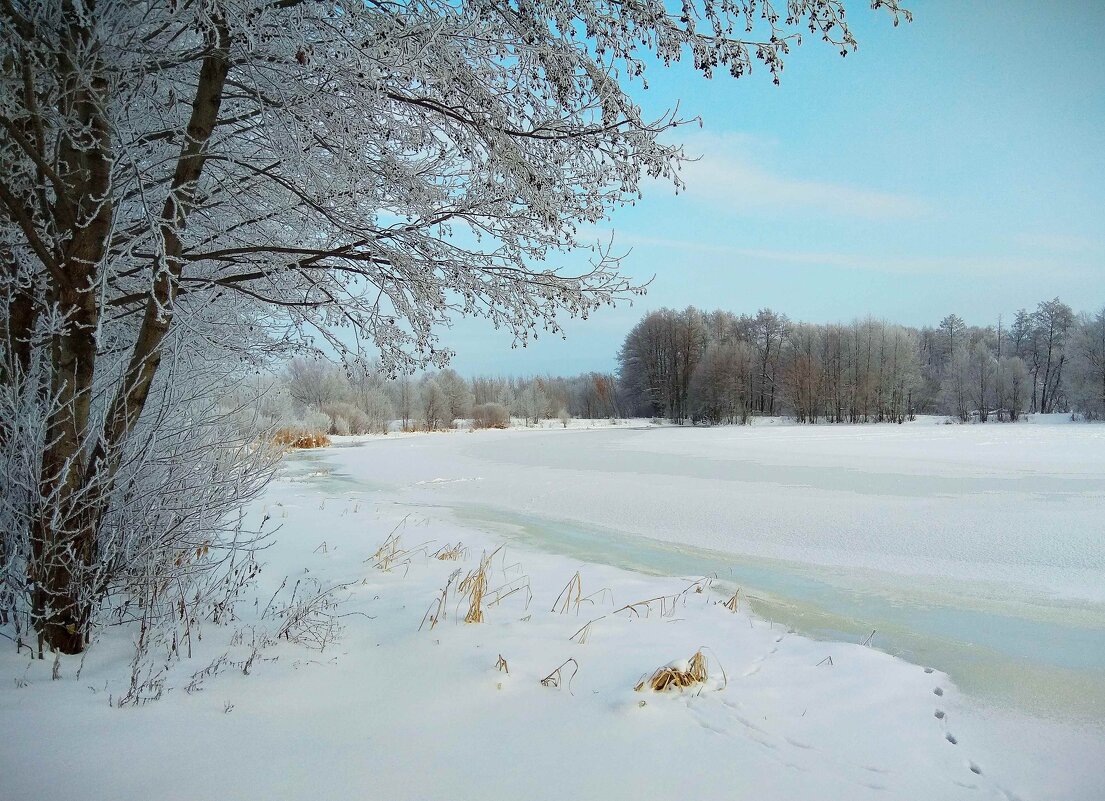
x,y
402,707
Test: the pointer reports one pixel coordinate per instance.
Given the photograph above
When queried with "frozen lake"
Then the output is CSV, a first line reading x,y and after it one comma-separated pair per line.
x,y
979,550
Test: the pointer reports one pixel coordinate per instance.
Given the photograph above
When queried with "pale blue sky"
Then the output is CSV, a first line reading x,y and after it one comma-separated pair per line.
x,y
954,164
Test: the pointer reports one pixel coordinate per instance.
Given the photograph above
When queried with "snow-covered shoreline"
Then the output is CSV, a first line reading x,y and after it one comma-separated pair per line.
x,y
393,712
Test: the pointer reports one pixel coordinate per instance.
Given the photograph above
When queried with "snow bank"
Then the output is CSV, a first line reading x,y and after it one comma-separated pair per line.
x,y
394,712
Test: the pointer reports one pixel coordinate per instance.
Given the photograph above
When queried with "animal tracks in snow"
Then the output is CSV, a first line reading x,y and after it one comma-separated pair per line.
x,y
942,716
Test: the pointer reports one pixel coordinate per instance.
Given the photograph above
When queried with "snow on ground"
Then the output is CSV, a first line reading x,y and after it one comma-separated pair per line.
x,y
394,712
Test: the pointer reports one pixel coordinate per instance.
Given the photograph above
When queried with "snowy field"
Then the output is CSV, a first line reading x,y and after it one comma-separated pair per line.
x,y
976,553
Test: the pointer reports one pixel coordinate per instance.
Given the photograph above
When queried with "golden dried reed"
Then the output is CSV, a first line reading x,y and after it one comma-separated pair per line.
x,y
475,587
734,602
668,677
451,553
298,438
556,678
572,593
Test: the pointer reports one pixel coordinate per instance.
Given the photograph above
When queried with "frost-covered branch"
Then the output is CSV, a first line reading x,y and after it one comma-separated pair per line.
x,y
187,187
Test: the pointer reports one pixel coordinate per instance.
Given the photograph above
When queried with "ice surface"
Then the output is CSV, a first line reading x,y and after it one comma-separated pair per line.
x,y
991,535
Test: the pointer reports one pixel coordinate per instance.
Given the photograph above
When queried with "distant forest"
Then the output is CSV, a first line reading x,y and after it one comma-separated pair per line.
x,y
718,367
721,367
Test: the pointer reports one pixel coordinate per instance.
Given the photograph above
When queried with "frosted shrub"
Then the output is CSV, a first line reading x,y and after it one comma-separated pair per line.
x,y
339,423
345,418
314,420
169,538
490,415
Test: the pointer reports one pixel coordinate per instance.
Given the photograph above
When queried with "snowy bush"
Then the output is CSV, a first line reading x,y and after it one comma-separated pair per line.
x,y
168,541
345,418
490,415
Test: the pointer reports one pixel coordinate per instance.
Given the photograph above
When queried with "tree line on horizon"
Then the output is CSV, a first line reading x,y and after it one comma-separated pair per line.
x,y
720,367
316,395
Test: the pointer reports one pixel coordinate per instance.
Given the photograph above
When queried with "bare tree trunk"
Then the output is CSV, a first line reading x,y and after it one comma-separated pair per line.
x,y
78,479
63,535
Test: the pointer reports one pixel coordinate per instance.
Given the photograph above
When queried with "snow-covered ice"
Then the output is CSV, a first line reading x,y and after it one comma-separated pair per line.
x,y
825,529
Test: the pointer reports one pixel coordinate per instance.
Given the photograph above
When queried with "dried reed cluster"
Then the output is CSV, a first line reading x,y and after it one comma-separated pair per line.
x,y
696,672
475,586
297,438
734,602
451,553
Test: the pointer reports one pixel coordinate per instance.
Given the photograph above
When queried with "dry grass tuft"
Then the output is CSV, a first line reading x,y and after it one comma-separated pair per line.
x,y
388,553
299,438
391,554
475,587
436,613
698,587
668,603
451,553
507,589
695,674
556,678
584,632
572,593
667,606
734,602
502,665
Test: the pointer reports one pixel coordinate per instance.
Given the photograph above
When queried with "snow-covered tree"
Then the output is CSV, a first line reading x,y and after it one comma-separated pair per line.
x,y
314,383
982,368
1013,387
532,404
803,378
458,398
1053,322
721,387
1087,374
433,406
957,385
236,177
658,359
953,328
404,398
770,330
377,409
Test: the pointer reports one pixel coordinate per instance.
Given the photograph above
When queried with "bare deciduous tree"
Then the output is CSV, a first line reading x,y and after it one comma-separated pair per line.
x,y
982,367
1087,376
1013,386
1053,321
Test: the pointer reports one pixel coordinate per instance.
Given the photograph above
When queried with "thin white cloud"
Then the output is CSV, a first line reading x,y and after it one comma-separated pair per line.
x,y
1057,242
964,266
731,175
